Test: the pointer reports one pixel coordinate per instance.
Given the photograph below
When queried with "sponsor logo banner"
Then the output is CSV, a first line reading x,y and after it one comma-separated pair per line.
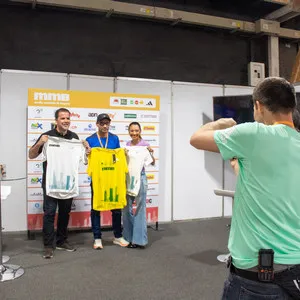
x,y
152,201
32,139
39,126
36,112
81,99
84,192
133,102
34,181
147,116
152,177
81,205
84,108
35,167
35,207
130,116
84,179
152,190
35,194
152,140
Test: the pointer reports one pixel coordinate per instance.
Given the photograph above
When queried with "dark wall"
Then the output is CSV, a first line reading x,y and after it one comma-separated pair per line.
x,y
84,43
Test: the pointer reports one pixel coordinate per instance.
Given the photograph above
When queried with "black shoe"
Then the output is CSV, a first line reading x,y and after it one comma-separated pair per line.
x,y
48,253
66,246
135,246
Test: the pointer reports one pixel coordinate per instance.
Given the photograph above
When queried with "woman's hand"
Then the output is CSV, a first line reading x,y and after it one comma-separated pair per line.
x,y
151,153
150,150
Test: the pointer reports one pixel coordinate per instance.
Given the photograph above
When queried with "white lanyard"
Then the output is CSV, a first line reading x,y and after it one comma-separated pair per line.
x,y
101,142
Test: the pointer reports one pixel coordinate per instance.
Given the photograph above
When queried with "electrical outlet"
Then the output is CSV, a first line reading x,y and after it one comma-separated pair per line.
x,y
256,73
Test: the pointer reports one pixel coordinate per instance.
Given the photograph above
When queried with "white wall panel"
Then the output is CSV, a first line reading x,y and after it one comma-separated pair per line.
x,y
13,123
91,83
196,173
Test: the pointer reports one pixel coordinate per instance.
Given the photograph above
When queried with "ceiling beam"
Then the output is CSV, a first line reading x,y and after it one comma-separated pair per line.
x,y
283,2
171,16
285,13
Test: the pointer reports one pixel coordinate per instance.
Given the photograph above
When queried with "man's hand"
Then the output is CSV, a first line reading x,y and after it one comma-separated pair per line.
x,y
235,166
34,150
224,123
87,147
43,140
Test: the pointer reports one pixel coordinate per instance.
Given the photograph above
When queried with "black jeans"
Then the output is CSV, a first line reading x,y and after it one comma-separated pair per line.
x,y
64,208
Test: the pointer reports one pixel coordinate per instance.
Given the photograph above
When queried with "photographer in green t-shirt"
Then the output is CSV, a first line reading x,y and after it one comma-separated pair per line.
x,y
266,212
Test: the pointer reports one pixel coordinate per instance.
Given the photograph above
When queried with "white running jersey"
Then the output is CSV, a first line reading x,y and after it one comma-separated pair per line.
x,y
137,158
63,157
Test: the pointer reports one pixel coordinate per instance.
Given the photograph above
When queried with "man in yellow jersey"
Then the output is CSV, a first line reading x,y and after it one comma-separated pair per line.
x,y
105,139
264,238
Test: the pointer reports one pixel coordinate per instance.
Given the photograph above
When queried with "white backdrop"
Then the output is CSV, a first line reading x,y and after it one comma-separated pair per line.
x,y
229,177
195,173
187,176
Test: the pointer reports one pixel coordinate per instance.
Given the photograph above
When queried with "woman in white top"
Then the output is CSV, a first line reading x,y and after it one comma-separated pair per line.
x,y
135,222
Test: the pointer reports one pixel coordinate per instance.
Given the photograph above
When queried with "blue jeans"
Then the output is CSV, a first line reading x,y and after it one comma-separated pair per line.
x,y
116,223
135,225
236,287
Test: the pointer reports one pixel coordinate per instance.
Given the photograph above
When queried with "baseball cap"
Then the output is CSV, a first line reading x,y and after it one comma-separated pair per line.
x,y
103,117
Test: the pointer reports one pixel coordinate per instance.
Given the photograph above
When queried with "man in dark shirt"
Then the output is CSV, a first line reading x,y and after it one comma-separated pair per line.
x,y
62,118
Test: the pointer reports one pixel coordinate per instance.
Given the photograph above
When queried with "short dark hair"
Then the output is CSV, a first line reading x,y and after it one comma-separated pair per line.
x,y
276,94
61,110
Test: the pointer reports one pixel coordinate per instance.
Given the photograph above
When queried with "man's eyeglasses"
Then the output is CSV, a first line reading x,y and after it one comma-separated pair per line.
x,y
104,123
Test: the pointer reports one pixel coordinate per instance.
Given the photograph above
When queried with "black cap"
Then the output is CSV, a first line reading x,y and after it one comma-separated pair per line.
x,y
103,117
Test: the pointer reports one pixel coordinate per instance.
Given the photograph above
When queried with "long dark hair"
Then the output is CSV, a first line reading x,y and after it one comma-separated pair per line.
x,y
135,123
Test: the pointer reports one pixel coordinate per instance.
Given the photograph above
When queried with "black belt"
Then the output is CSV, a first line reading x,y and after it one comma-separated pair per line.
x,y
251,275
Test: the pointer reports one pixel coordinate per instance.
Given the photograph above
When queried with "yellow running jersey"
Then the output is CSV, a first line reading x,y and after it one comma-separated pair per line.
x,y
108,169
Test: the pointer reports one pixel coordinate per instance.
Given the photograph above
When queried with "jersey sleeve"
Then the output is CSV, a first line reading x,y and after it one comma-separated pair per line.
x,y
148,158
237,141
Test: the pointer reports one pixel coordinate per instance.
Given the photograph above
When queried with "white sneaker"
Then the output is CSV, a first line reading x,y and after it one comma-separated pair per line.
x,y
98,244
223,257
121,242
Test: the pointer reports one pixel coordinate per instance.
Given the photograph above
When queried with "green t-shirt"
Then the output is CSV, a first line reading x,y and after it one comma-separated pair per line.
x,y
266,212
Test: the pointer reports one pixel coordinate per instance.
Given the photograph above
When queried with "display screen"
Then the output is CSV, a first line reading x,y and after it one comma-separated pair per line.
x,y
266,260
239,108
